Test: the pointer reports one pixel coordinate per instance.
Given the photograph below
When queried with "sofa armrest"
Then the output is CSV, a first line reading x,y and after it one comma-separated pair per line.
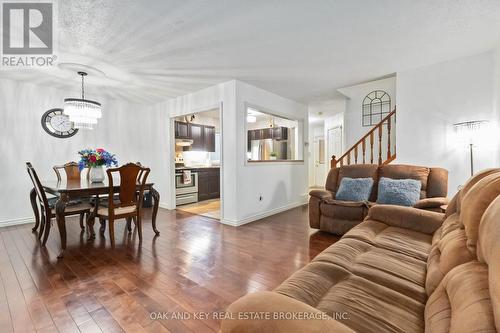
x,y
430,203
406,217
321,194
269,305
347,203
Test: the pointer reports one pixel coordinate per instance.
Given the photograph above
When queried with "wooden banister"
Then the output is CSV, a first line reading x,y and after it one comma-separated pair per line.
x,y
389,120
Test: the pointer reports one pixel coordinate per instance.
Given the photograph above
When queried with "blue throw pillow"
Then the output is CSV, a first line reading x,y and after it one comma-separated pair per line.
x,y
401,192
354,189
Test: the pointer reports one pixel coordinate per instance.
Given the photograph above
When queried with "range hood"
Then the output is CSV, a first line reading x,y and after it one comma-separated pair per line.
x,y
183,142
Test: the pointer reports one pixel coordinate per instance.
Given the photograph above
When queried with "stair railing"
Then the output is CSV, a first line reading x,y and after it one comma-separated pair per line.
x,y
360,147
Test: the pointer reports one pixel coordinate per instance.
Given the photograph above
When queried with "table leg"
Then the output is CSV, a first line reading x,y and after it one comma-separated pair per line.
x,y
35,208
156,204
61,221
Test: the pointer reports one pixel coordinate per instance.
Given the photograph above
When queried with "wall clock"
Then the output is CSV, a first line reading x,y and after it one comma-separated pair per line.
x,y
57,124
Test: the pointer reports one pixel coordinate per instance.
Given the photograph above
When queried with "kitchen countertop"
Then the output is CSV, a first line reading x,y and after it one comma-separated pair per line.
x,y
198,167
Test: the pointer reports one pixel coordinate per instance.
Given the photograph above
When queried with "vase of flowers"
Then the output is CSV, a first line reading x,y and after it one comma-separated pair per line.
x,y
96,160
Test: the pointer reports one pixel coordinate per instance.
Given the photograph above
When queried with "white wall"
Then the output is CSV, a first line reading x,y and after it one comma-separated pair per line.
x,y
496,101
354,129
430,100
207,99
127,130
282,185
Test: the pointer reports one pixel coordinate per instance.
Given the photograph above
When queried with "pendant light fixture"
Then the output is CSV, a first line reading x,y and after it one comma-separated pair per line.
x,y
82,112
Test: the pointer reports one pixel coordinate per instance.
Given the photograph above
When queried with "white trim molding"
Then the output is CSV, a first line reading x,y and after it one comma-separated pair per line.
x,y
19,221
259,216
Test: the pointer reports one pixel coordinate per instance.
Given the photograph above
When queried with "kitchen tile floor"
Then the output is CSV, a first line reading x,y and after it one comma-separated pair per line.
x,y
207,208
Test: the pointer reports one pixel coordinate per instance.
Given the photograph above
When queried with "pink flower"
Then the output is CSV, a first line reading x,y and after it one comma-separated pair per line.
x,y
99,150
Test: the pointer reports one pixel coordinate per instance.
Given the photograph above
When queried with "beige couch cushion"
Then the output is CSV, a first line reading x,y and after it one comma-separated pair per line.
x,y
411,243
461,303
366,306
475,202
449,246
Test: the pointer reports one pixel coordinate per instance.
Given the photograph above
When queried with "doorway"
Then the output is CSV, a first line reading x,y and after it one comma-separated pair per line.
x,y
334,137
319,161
197,175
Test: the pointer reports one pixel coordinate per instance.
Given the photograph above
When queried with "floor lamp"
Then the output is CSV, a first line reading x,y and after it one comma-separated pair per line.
x,y
471,133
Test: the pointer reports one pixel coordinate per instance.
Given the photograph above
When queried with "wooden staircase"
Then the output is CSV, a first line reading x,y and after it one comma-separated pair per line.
x,y
368,149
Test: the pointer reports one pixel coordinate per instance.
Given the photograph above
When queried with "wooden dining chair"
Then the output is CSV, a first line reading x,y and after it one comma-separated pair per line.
x,y
73,173
48,209
129,204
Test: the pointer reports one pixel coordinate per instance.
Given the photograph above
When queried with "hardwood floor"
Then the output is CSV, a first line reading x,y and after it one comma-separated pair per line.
x,y
195,265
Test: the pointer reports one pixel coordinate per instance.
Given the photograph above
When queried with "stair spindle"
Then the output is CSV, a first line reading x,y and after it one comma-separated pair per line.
x,y
349,158
380,145
356,155
371,147
389,138
363,148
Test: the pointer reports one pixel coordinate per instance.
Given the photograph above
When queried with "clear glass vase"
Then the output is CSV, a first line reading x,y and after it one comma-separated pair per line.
x,y
96,174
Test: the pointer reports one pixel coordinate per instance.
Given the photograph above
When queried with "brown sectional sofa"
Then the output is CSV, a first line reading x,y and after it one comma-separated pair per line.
x,y
338,217
401,270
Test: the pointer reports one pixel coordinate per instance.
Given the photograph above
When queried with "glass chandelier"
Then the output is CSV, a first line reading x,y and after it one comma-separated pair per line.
x,y
82,112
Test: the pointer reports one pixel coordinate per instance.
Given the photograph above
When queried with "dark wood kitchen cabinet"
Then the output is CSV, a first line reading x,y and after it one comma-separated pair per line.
x,y
203,136
208,183
209,135
280,133
198,137
182,130
276,133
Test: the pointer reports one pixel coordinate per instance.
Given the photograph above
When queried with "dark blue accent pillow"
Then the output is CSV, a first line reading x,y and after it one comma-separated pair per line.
x,y
401,192
354,189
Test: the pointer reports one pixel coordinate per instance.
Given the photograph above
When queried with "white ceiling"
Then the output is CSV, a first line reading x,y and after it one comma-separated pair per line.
x,y
304,50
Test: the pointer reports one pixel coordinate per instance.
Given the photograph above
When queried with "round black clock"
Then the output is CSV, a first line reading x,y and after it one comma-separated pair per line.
x,y
57,124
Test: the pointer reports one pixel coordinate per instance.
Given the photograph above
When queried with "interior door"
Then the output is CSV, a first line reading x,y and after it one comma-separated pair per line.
x,y
334,142
319,161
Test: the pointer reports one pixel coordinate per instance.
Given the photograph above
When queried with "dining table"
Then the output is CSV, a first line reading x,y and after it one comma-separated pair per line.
x,y
73,190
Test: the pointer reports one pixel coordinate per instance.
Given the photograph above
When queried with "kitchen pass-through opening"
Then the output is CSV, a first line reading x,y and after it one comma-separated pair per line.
x,y
198,163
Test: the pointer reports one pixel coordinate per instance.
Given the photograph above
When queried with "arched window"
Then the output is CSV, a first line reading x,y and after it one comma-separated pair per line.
x,y
376,106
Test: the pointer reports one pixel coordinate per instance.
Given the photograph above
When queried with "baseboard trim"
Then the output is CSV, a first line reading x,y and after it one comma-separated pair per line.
x,y
11,222
164,205
259,216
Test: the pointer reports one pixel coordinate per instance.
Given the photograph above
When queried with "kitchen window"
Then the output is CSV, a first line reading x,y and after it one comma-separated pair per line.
x,y
272,138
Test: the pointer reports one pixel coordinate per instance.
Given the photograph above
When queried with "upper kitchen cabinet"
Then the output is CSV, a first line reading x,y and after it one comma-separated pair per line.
x,y
203,136
182,130
209,138
273,138
198,137
280,133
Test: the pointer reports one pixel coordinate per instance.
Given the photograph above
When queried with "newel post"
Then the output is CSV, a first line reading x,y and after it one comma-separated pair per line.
x,y
333,162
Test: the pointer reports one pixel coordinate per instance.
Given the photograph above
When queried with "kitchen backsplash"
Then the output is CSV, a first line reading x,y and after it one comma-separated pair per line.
x,y
199,158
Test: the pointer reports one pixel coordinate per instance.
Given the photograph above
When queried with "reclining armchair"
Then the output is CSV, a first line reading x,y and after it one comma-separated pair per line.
x,y
338,217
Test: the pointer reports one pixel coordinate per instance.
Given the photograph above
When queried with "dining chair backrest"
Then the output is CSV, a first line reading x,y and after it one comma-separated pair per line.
x,y
71,169
139,176
37,184
132,180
